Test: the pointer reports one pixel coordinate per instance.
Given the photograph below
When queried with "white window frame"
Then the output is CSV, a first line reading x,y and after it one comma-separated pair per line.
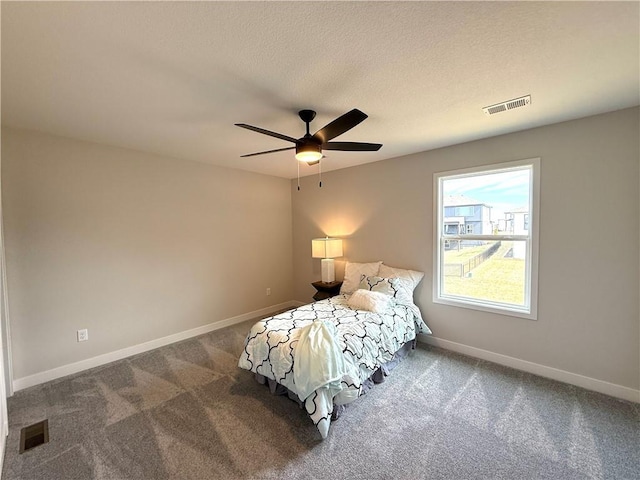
x,y
530,309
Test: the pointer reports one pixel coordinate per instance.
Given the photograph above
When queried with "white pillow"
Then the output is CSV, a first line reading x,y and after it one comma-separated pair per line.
x,y
409,280
371,301
353,272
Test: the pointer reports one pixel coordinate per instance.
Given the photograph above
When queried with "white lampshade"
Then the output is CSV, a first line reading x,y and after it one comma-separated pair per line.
x,y
326,247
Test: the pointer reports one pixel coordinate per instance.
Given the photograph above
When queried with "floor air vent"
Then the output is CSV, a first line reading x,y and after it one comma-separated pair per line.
x,y
508,105
34,435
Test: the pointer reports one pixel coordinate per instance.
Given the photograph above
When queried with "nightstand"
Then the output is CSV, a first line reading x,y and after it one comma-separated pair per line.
x,y
326,290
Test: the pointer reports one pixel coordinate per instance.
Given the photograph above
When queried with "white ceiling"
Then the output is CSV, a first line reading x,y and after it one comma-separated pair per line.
x,y
172,78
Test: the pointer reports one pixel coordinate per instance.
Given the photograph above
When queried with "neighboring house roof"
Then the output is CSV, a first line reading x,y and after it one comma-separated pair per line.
x,y
461,200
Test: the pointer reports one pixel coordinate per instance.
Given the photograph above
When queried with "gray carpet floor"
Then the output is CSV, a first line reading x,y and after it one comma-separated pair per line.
x,y
186,411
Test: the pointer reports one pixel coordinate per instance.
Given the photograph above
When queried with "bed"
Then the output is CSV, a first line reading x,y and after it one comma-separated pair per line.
x,y
324,353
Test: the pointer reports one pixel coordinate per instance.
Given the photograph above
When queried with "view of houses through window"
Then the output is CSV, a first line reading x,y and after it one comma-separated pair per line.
x,y
485,257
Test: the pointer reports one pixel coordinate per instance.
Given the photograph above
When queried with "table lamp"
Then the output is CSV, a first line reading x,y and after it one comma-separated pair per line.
x,y
327,249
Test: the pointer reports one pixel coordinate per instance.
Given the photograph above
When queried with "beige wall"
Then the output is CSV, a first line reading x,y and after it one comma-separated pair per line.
x,y
132,246
135,247
588,306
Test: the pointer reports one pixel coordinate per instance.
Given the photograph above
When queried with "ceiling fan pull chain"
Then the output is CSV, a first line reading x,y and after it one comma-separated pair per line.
x,y
298,163
320,167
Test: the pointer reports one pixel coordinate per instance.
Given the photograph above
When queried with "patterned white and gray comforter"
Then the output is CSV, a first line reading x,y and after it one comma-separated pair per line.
x,y
354,343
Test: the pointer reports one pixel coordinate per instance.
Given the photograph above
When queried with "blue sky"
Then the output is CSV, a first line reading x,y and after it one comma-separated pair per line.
x,y
503,190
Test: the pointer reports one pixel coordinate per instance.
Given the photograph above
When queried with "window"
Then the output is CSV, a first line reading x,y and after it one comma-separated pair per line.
x,y
463,211
451,228
491,265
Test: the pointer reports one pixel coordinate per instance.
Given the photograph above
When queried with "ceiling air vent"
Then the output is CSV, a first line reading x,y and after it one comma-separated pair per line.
x,y
508,105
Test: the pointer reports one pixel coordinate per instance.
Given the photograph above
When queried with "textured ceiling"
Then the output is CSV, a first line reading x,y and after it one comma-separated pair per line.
x,y
173,77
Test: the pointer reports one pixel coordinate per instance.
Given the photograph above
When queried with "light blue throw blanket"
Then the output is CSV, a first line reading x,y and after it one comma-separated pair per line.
x,y
319,362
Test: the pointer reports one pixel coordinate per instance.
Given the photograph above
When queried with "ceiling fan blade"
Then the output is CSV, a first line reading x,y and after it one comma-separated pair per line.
x,y
267,132
352,146
340,125
268,151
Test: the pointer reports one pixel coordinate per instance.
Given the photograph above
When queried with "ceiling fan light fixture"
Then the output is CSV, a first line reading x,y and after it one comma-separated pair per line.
x,y
309,152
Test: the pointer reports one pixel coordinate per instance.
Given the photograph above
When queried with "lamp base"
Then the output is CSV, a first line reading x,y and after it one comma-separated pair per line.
x,y
328,270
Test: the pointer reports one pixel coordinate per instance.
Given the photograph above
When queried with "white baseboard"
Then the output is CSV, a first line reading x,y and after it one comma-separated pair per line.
x,y
63,371
589,383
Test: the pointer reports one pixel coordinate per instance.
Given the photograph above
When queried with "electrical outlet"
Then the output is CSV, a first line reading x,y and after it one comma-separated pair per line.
x,y
83,335
268,292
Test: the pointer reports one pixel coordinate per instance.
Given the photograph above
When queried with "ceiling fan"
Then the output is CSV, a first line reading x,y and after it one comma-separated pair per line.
x,y
309,148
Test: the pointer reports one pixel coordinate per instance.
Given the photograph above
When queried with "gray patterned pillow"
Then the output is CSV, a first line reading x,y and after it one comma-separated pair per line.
x,y
388,286
410,280
353,272
394,287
